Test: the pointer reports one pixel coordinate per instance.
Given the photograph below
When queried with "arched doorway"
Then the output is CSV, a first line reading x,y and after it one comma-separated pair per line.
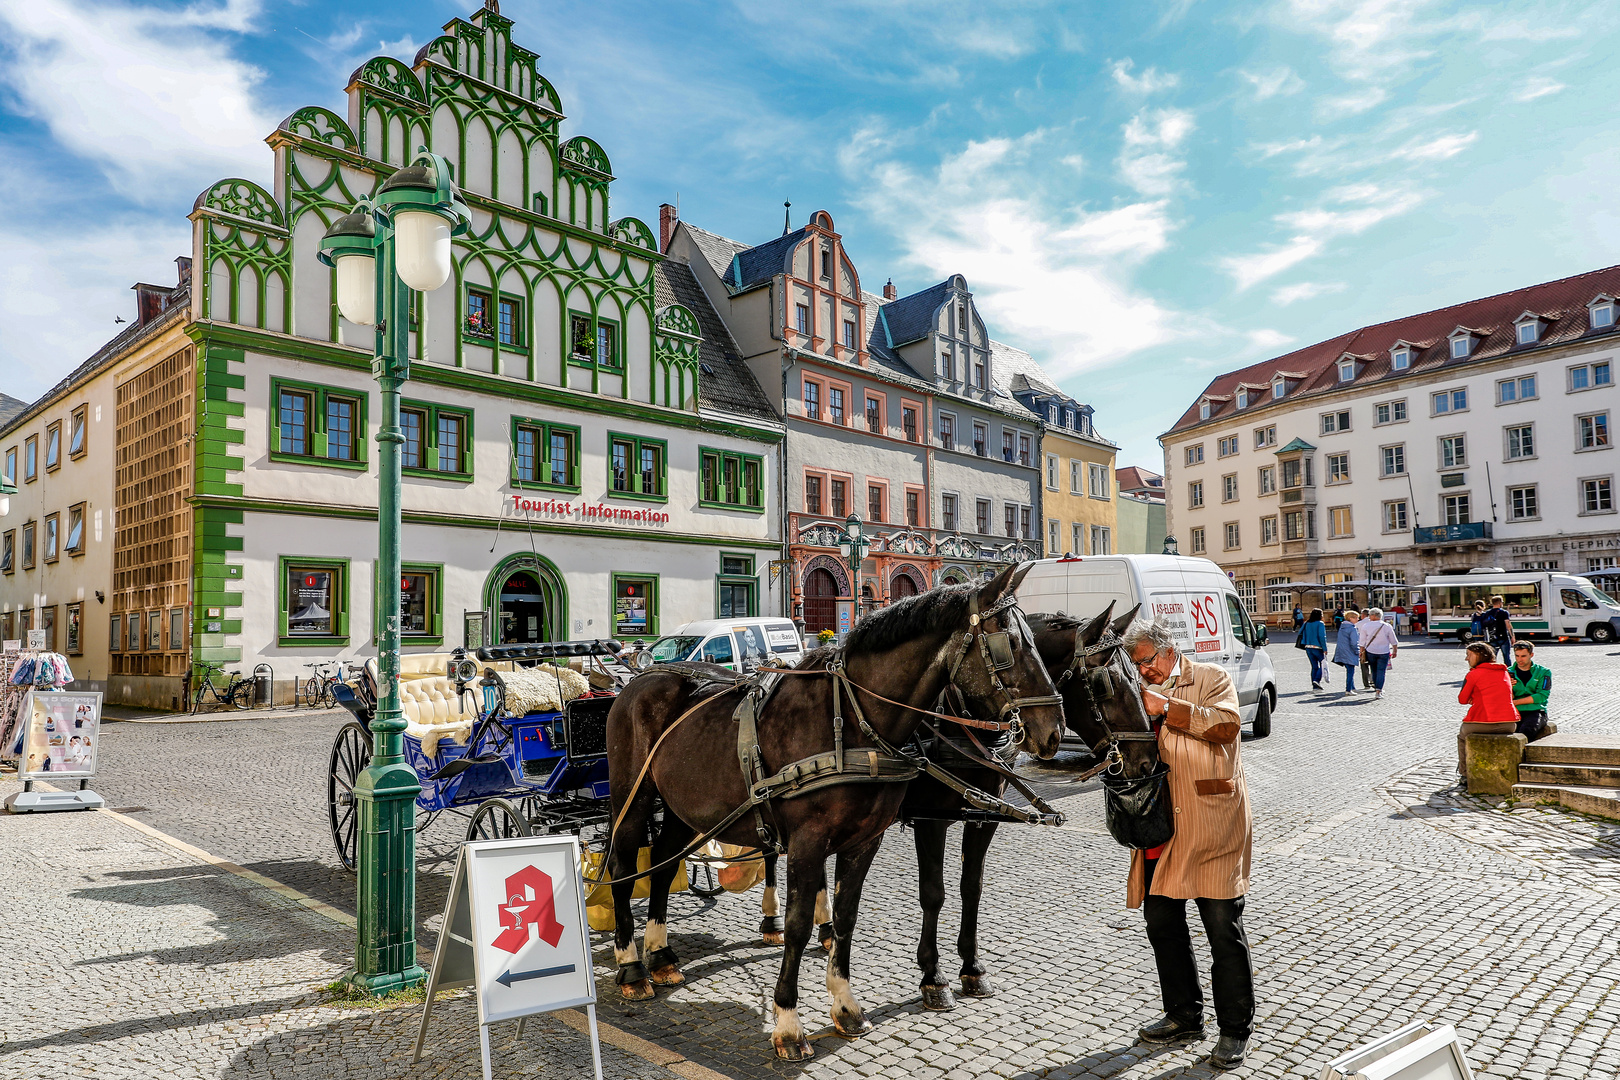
x,y
820,601
901,587
528,601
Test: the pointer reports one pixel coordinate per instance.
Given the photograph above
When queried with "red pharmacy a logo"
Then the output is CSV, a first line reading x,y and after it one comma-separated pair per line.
x,y
529,911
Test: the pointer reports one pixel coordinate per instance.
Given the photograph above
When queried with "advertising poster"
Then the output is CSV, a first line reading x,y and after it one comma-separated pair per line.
x,y
310,603
61,735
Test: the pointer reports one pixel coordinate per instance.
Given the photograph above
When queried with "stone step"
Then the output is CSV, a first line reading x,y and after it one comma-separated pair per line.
x,y
1575,748
1601,802
1568,774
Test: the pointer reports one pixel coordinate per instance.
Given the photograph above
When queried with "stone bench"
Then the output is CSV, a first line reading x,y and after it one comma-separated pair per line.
x,y
1493,763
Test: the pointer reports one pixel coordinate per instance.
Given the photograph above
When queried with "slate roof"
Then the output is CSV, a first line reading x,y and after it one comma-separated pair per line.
x,y
1561,303
753,267
724,384
717,250
909,318
9,407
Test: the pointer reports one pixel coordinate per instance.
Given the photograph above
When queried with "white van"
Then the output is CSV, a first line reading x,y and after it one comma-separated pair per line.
x,y
1194,597
739,644
1542,603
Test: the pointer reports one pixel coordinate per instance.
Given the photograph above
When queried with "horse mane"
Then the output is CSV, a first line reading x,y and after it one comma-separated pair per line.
x,y
908,619
1045,620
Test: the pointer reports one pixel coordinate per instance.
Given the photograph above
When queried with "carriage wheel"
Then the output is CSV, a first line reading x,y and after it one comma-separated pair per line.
x,y
351,753
701,879
497,819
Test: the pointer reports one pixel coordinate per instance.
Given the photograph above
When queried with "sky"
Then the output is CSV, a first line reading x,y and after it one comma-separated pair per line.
x,y
1141,195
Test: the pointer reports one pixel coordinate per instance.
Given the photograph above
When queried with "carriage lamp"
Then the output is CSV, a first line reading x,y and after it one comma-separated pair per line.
x,y
1170,547
380,251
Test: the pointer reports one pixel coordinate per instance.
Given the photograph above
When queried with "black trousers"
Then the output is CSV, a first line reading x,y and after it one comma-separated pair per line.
x,y
1232,975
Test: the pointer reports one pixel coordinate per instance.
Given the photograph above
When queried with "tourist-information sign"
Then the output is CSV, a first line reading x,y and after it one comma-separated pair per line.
x,y
514,930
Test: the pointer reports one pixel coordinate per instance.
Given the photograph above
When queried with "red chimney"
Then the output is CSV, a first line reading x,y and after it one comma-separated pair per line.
x,y
889,291
667,216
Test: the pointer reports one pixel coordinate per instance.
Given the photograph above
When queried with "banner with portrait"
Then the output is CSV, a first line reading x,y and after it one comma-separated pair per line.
x,y
61,735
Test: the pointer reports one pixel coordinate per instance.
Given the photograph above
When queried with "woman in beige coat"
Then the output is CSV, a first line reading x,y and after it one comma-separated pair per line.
x,y
1195,709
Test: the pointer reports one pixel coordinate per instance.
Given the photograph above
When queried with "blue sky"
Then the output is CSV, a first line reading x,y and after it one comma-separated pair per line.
x,y
1142,195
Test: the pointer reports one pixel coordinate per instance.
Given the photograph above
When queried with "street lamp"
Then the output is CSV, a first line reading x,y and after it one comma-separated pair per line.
x,y
381,251
1170,546
852,546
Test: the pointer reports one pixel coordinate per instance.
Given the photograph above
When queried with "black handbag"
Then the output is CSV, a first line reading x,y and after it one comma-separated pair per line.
x,y
1138,811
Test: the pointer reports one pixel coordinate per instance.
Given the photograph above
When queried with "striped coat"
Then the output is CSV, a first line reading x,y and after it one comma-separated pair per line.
x,y
1200,740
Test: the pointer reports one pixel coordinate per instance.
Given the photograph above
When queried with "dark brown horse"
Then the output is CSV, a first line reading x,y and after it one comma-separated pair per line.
x,y
906,653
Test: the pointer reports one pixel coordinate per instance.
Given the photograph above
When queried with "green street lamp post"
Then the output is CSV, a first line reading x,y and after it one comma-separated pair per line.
x,y
852,546
382,251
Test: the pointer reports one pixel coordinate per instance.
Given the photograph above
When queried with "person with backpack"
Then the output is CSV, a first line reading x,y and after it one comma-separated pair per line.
x,y
1496,625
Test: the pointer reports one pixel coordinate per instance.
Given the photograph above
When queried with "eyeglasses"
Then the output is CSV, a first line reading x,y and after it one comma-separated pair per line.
x,y
1144,663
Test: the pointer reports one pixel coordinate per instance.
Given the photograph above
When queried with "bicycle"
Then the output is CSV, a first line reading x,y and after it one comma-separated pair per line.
x,y
238,692
316,691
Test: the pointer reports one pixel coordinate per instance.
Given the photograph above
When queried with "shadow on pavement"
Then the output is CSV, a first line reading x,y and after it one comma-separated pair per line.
x,y
143,1026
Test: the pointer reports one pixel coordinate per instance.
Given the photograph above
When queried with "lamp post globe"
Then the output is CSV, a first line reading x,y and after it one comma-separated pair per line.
x,y
425,209
349,247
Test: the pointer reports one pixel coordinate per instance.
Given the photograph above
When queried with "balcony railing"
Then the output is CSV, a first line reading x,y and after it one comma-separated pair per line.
x,y
814,531
1452,534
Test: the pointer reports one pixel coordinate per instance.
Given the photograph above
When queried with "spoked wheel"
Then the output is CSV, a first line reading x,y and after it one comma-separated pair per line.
x,y
497,819
242,694
702,880
351,753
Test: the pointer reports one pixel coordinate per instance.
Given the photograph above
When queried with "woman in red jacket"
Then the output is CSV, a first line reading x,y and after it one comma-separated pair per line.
x,y
1488,693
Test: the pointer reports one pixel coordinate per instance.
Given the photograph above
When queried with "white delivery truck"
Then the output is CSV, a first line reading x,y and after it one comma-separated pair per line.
x,y
1193,597
1542,603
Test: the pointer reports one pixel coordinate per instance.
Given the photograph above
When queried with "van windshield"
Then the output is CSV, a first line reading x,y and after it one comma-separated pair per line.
x,y
675,647
1603,597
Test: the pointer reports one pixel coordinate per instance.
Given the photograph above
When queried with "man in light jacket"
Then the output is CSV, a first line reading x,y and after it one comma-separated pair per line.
x,y
1195,709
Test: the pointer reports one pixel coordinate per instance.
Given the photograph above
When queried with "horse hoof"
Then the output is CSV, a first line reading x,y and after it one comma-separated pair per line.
x,y
977,986
853,1026
640,990
668,976
773,937
938,998
793,1051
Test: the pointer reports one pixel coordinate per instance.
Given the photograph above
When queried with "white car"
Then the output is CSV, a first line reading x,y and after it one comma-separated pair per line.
x,y
739,644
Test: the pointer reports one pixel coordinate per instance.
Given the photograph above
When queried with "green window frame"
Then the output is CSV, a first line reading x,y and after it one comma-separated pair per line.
x,y
312,424
337,595
595,342
624,626
545,457
432,448
638,468
729,480
736,571
430,592
495,318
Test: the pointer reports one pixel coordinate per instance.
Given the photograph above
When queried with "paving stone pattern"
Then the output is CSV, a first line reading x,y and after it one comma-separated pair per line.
x,y
1381,894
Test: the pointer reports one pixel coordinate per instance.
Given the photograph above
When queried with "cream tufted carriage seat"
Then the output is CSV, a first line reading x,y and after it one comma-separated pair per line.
x,y
428,699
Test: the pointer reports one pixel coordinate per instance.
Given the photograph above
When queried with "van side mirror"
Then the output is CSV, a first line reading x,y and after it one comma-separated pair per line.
x,y
1261,636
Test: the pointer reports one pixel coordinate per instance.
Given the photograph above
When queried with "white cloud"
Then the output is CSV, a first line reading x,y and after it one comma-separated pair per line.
x,y
1538,87
1151,81
1437,148
1266,338
404,49
1351,104
1147,161
1350,210
1278,82
153,97
1305,290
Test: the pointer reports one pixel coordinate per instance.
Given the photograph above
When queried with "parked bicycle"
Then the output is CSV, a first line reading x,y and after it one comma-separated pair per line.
x,y
237,692
316,691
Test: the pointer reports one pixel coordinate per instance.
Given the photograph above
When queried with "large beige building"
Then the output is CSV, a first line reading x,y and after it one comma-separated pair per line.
x,y
1476,435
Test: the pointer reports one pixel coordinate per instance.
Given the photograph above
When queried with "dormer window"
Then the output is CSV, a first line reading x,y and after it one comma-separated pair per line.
x,y
1068,418
1529,331
1051,415
1243,399
1462,343
1347,370
1278,388
1203,410
1400,357
1601,313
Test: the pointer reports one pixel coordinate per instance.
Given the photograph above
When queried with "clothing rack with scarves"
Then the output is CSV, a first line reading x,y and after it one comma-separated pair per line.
x,y
26,670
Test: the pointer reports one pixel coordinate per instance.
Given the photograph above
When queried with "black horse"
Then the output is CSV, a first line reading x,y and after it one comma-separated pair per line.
x,y
895,663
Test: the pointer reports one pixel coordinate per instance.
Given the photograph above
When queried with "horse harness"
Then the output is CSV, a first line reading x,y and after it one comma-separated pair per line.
x,y
1099,684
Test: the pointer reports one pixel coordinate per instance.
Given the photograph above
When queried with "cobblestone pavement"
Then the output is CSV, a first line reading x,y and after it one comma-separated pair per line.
x,y
1381,895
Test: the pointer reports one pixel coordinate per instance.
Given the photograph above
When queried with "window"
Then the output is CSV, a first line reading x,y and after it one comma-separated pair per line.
x,y
31,459
1195,454
74,544
1278,601
509,323
1068,418
77,435
480,322
53,447
849,334
75,629
1347,370
1195,493
908,422
1010,519
826,262
314,424
874,502
812,400
1597,495
1279,387
1394,459
947,512
802,318
10,474
1522,503
1450,401
1453,451
1601,313
1529,331
1052,547
1052,415
1051,472
133,632
1400,358
947,431
437,441
1294,525
874,415
1008,443
1265,436
1522,388
835,405
1592,431
735,481
52,538
979,379
1198,545
593,341
1074,476
812,494
637,467
1457,509
981,440
982,516
1335,421
8,552
1390,412
1025,525
635,606
1268,480
837,505
1242,399
1023,449
1461,346
177,627
948,365
1231,528
1097,476
314,602
546,455
1338,466
1227,447
1229,489
738,588
1521,441
1292,473
1203,410
1395,516
1247,593
28,545
1268,531
1102,540
1340,523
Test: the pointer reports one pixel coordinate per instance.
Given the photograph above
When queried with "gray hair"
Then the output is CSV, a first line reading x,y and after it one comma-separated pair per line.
x,y
1154,633
1376,614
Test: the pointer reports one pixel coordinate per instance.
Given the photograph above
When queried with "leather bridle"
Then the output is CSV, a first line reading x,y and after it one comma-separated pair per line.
x,y
996,652
1097,685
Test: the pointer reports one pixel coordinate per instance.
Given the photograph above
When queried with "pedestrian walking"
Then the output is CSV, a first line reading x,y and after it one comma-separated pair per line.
x,y
1313,635
1476,625
1378,647
1488,693
1195,711
1299,617
1532,685
1338,616
1497,627
1347,649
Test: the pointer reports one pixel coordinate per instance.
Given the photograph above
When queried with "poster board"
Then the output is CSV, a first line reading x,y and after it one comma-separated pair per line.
x,y
515,931
61,735
1418,1051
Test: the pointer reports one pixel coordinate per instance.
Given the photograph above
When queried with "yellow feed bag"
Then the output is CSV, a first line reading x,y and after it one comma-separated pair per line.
x,y
599,898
